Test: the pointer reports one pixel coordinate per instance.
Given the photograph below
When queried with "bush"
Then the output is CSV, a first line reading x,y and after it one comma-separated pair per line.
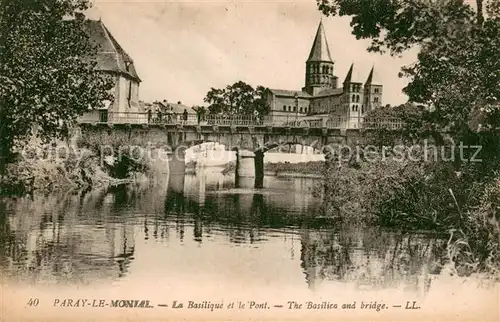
x,y
410,195
311,167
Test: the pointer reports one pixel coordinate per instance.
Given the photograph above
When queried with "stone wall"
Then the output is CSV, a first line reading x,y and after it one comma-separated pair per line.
x,y
246,138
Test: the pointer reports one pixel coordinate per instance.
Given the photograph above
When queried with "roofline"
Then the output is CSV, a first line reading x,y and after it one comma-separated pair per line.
x,y
320,61
328,95
120,73
292,96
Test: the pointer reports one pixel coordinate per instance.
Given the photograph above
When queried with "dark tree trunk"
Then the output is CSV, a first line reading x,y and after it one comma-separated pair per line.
x,y
480,15
3,145
4,156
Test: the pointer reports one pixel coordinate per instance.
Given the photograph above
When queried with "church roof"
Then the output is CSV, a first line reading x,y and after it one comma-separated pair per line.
x,y
372,78
330,92
177,108
287,93
110,55
320,50
353,76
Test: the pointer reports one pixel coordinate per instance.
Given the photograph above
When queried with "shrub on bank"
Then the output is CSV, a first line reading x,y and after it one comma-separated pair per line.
x,y
422,195
48,172
62,166
311,167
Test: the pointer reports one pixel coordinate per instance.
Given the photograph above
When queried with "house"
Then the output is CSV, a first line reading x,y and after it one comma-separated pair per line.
x,y
113,60
173,111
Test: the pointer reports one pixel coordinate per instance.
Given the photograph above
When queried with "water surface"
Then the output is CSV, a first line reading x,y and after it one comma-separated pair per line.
x,y
213,233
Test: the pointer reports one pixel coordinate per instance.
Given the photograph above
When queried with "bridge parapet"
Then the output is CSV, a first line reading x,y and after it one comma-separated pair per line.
x,y
233,121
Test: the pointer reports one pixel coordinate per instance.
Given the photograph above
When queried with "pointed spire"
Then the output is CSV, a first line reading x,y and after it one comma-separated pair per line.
x,y
320,50
348,78
370,76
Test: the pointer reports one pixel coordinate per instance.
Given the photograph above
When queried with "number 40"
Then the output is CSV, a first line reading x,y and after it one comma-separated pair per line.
x,y
33,302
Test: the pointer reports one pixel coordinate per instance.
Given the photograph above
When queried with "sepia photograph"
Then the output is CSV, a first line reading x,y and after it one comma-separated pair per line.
x,y
249,160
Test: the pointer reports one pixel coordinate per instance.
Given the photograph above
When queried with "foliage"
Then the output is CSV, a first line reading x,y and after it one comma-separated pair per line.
x,y
237,99
460,78
457,72
418,125
47,71
121,159
422,193
49,168
311,167
397,25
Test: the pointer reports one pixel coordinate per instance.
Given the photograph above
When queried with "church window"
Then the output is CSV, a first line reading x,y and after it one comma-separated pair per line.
x,y
357,98
301,109
295,108
375,99
353,98
376,90
284,108
289,108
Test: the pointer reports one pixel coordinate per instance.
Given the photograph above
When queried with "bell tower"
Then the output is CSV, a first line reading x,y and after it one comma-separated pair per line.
x,y
319,65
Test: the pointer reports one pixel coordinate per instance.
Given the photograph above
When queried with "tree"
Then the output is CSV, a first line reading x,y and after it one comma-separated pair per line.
x,y
237,99
457,71
397,25
47,71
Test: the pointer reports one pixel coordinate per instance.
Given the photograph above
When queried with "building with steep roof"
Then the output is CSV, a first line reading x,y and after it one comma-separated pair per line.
x,y
321,95
114,60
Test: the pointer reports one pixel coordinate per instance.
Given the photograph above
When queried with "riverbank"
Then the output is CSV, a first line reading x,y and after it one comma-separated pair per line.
x,y
423,195
79,165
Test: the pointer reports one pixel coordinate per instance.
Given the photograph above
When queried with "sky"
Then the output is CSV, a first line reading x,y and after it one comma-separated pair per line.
x,y
183,48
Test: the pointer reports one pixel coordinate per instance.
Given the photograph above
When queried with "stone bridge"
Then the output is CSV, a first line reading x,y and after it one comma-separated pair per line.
x,y
250,142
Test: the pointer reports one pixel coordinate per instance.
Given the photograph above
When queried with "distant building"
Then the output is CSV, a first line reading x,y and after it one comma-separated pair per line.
x,y
113,60
175,108
321,95
164,111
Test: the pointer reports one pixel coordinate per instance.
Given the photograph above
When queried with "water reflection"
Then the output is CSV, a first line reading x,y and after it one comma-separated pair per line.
x,y
99,236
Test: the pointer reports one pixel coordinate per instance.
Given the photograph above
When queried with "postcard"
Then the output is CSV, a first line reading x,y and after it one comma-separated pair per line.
x,y
305,160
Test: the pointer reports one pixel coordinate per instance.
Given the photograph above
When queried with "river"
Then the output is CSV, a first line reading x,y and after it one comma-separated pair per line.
x,y
209,240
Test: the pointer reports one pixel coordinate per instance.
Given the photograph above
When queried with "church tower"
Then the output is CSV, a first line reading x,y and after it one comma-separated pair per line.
x,y
372,93
319,65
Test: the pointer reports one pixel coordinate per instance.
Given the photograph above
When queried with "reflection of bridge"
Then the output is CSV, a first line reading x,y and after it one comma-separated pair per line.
x,y
369,258
249,136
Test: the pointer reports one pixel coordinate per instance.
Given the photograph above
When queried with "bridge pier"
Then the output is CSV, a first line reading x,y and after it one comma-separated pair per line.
x,y
177,169
249,169
259,169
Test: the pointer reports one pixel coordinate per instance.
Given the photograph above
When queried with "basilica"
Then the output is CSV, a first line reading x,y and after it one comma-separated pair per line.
x,y
322,95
